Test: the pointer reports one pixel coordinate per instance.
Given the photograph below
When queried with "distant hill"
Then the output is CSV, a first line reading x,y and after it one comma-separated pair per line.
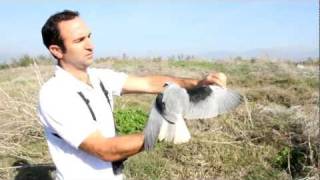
x,y
5,57
292,53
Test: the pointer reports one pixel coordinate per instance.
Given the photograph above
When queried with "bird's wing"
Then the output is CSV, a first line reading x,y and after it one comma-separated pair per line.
x,y
152,129
210,101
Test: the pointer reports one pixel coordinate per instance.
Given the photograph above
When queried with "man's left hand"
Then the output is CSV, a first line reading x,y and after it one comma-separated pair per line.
x,y
219,79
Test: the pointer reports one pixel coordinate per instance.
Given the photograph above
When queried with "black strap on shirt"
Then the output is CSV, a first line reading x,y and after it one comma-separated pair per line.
x,y
117,166
87,101
106,94
88,105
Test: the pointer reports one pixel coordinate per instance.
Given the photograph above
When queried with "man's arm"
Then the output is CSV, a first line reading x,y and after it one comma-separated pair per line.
x,y
154,84
121,147
115,148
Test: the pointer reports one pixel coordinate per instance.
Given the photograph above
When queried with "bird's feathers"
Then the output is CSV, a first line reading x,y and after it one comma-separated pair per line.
x,y
152,129
176,103
176,133
214,100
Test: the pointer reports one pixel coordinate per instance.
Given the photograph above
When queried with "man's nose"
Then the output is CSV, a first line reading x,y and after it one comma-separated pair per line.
x,y
89,45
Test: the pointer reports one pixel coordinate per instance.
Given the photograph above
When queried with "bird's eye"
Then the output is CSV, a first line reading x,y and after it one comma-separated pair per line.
x,y
163,104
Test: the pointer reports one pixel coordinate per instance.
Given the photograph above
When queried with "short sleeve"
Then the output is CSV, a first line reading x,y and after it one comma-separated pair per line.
x,y
114,80
67,115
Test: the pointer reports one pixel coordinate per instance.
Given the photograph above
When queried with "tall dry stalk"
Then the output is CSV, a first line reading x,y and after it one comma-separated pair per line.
x,y
21,136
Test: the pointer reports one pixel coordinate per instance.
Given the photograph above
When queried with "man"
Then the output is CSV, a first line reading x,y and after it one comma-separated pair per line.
x,y
75,106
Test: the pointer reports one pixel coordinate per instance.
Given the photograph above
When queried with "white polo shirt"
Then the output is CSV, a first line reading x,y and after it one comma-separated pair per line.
x,y
63,112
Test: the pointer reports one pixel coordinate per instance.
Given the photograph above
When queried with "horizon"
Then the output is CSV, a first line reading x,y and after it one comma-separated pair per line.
x,y
210,29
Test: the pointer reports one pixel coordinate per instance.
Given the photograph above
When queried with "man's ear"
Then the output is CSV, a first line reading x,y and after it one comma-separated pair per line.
x,y
56,51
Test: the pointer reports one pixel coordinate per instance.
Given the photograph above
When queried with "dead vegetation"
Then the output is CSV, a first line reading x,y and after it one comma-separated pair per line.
x,y
273,135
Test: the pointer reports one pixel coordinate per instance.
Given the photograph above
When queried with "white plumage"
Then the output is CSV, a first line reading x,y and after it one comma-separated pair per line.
x,y
176,104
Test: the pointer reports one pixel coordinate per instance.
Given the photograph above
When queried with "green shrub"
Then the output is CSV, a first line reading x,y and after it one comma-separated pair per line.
x,y
281,159
24,61
130,120
4,66
206,65
295,158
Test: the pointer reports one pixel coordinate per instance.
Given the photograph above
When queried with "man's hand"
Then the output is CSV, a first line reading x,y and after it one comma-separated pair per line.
x,y
219,79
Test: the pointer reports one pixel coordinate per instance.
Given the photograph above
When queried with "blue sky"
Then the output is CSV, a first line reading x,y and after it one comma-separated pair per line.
x,y
151,28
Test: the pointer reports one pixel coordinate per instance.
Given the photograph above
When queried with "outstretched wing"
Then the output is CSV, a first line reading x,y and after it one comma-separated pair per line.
x,y
210,101
152,129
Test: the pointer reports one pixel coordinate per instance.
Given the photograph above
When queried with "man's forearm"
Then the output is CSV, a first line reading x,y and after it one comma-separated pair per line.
x,y
154,84
159,81
115,148
125,146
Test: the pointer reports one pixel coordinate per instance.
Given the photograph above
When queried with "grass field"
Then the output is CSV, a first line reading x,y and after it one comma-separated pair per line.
x,y
274,134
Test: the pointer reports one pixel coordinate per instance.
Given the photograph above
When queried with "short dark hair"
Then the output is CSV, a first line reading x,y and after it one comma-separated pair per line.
x,y
50,31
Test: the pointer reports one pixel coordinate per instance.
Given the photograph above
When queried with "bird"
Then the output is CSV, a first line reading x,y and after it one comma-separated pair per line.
x,y
176,104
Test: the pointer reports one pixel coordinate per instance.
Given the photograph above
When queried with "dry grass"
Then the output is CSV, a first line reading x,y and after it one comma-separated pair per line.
x,y
21,134
274,135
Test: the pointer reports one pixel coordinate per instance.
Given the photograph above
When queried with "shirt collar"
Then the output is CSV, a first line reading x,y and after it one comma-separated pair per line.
x,y
70,79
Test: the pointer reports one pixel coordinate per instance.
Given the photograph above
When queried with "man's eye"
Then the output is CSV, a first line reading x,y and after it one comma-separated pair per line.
x,y
79,40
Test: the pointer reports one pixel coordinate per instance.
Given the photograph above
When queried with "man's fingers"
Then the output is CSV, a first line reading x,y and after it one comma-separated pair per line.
x,y
217,78
220,82
222,77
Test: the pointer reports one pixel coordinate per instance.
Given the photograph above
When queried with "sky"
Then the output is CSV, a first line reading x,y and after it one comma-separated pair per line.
x,y
170,27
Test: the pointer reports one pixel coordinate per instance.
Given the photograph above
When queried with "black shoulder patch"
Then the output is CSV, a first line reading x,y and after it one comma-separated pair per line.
x,y
160,106
199,93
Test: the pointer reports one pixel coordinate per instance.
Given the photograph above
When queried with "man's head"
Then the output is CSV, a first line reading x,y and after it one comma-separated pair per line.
x,y
50,30
68,39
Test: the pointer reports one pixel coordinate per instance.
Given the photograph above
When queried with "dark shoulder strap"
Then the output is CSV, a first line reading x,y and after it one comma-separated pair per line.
x,y
88,105
106,93
117,166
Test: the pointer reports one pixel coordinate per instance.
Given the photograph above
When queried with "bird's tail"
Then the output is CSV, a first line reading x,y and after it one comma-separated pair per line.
x,y
177,133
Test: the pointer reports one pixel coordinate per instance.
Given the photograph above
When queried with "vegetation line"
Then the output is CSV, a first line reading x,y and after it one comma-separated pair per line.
x,y
48,165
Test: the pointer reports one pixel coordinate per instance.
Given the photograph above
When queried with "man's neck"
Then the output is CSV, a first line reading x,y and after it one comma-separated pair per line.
x,y
80,74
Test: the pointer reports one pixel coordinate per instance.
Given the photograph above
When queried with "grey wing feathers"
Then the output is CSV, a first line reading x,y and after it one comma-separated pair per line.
x,y
216,101
152,129
228,100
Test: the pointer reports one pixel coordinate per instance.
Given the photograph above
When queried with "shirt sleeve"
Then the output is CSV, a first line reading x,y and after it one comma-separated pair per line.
x,y
114,80
66,114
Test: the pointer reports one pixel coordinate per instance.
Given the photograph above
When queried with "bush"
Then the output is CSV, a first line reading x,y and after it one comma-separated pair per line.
x,y
130,120
24,61
4,66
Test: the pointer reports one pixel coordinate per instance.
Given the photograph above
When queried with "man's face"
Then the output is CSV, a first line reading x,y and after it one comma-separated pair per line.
x,y
77,40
